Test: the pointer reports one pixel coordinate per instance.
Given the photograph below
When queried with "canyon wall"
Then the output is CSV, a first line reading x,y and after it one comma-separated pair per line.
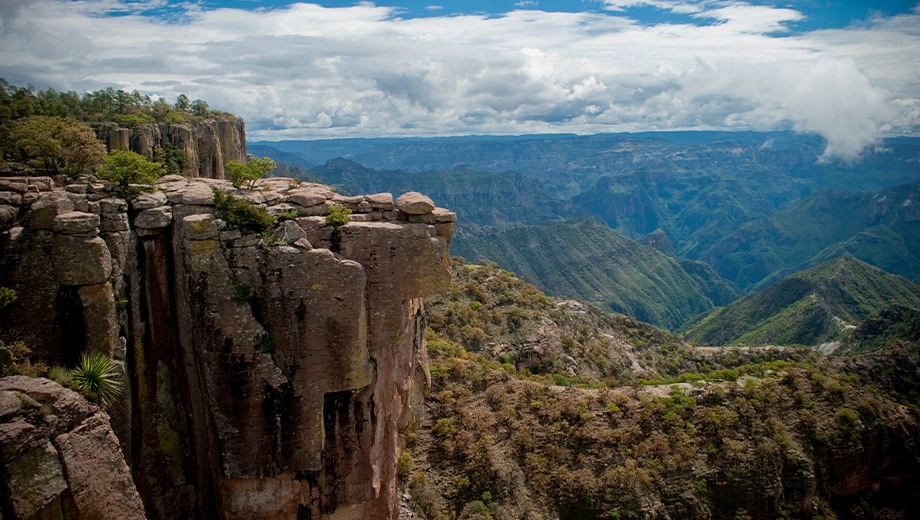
x,y
270,373
201,148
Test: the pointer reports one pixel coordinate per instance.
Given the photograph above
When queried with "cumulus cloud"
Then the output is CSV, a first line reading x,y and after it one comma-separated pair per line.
x,y
305,71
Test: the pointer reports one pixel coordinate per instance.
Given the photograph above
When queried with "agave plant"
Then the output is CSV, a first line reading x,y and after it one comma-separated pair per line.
x,y
97,377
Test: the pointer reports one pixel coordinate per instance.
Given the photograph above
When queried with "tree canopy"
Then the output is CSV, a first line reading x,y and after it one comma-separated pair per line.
x,y
123,168
54,143
247,173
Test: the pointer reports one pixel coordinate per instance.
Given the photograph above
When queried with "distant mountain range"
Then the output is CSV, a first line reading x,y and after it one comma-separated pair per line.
x,y
818,305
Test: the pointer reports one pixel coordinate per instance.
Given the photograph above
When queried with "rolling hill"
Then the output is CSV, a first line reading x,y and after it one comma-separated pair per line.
x,y
818,305
882,229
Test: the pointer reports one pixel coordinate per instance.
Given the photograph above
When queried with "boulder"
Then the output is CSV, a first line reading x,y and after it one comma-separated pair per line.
x,y
289,232
7,217
80,260
48,205
76,223
201,226
306,197
382,201
414,203
154,218
60,456
148,200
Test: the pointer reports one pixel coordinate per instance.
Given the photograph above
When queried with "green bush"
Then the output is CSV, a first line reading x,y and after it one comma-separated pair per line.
x,y
338,216
247,173
7,297
97,377
123,168
242,214
404,464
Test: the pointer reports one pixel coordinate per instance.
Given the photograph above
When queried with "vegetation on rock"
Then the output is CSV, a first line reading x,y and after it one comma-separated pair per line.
x,y
98,377
337,216
764,434
246,174
242,214
124,168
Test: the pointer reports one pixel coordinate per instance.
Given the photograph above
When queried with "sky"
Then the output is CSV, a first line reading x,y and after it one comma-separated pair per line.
x,y
847,71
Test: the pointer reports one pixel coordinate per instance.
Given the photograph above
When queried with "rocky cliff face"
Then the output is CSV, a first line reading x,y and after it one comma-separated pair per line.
x,y
269,373
206,145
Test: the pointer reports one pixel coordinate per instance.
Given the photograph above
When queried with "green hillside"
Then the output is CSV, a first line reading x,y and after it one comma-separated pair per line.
x,y
882,229
586,260
814,306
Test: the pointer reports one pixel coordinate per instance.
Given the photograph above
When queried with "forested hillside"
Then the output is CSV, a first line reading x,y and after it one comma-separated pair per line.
x,y
546,408
818,305
586,260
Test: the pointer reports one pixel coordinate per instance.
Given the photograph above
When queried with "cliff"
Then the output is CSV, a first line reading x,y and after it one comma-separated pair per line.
x,y
270,373
203,146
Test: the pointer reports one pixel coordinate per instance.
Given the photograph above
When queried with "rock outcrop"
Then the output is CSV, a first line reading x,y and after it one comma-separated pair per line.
x,y
59,459
270,372
204,146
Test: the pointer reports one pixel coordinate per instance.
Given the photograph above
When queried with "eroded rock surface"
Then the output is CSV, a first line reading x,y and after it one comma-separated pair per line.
x,y
59,458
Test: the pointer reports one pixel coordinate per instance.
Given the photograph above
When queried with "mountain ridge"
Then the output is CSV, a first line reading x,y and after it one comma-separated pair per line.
x,y
818,305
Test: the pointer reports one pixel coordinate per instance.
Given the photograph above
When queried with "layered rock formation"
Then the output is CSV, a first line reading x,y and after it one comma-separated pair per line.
x,y
205,145
270,372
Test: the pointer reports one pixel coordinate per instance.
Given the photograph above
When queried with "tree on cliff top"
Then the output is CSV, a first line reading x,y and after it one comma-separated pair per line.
x,y
54,143
247,173
123,168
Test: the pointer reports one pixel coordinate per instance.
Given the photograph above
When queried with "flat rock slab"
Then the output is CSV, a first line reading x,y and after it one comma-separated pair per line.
x,y
76,223
307,197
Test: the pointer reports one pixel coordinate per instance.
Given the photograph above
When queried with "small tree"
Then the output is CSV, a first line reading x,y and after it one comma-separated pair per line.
x,y
54,143
199,108
123,168
81,150
38,138
182,103
247,173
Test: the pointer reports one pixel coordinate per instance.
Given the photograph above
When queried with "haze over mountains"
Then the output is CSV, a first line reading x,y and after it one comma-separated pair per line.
x,y
582,216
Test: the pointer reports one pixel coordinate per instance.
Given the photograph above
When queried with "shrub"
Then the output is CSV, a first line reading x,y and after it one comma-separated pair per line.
x,y
242,214
124,168
338,216
404,464
444,427
97,377
247,173
7,297
60,375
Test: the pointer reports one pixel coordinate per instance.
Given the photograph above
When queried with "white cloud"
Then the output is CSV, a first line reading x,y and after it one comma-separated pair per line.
x,y
307,71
